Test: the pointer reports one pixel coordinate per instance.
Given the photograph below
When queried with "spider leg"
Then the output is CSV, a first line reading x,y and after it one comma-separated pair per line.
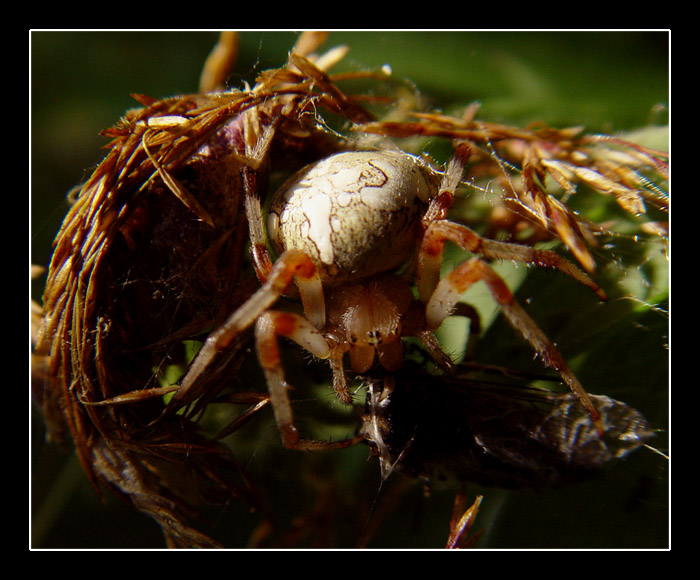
x,y
253,209
268,327
452,286
257,145
440,231
340,385
290,265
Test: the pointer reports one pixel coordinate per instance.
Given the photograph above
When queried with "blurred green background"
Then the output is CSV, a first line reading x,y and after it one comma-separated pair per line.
x,y
607,81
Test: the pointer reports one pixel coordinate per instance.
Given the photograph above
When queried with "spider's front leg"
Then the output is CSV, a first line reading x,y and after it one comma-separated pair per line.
x,y
290,265
440,296
305,331
268,327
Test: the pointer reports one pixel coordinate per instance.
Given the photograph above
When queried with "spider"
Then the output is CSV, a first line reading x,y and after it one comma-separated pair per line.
x,y
355,231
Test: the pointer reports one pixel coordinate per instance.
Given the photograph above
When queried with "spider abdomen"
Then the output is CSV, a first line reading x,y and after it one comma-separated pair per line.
x,y
354,214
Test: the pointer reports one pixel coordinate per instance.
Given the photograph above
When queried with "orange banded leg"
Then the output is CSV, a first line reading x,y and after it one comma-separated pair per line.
x,y
450,289
268,327
290,265
440,231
